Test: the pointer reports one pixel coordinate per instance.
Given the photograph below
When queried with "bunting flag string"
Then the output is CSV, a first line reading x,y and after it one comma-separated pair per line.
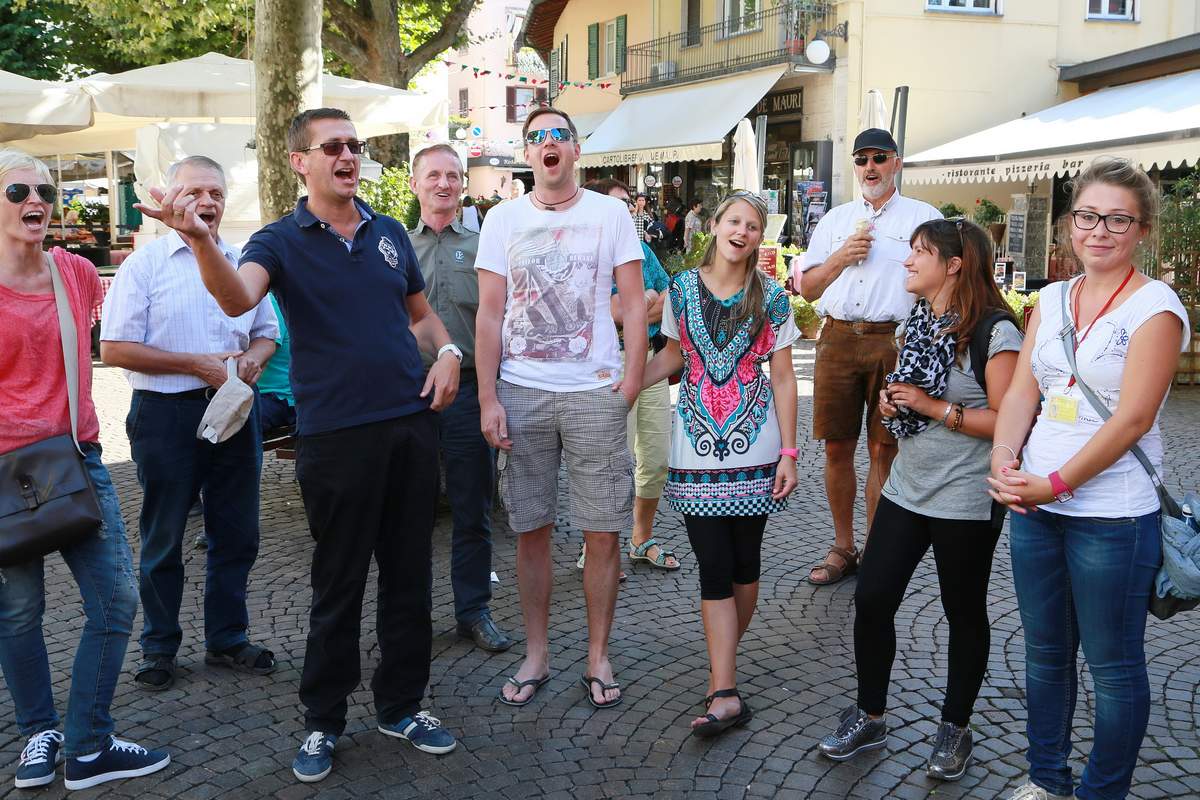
x,y
532,104
479,72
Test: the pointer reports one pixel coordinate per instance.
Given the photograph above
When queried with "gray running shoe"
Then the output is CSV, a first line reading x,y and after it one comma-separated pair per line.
x,y
951,753
1031,791
855,732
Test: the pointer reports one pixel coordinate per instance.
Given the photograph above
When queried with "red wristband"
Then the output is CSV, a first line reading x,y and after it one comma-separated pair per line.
x,y
789,451
1062,492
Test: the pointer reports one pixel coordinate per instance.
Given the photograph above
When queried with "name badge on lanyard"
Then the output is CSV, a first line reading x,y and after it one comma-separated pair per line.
x,y
1061,408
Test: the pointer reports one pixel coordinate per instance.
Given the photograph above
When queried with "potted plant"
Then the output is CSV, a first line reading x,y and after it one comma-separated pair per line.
x,y
94,217
951,211
989,215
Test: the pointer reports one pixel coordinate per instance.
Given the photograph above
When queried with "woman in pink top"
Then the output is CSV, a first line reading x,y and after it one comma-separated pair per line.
x,y
33,407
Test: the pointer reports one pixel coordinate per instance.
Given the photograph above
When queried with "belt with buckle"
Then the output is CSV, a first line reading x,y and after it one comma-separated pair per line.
x,y
861,328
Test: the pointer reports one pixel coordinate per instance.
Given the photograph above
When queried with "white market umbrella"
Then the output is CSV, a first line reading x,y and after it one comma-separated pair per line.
x,y
214,88
745,158
873,113
29,107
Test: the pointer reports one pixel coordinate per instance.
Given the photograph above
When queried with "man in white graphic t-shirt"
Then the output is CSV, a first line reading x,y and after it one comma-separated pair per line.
x,y
546,266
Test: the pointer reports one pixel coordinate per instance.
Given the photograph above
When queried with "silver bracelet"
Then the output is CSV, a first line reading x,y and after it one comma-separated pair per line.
x,y
946,416
1006,447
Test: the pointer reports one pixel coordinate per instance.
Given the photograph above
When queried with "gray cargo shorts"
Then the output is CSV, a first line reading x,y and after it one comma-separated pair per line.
x,y
587,430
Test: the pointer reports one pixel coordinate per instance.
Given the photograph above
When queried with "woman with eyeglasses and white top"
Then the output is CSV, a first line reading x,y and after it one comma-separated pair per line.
x,y
1085,536
34,407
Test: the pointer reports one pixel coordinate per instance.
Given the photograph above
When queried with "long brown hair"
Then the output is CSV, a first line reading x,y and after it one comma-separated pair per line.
x,y
750,307
975,292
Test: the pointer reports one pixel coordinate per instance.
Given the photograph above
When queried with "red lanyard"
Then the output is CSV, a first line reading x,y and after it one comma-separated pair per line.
x,y
1075,312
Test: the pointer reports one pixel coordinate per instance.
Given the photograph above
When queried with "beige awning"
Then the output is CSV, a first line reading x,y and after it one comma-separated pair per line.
x,y
29,107
683,123
1154,123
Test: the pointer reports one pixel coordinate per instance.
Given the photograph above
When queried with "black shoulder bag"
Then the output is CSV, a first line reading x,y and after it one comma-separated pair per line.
x,y
47,501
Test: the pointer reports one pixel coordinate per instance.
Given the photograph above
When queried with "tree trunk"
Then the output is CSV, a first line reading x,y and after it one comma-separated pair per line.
x,y
287,75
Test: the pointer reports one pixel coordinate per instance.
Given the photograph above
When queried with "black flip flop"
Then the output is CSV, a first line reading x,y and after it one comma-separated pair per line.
x,y
716,725
587,680
245,657
536,683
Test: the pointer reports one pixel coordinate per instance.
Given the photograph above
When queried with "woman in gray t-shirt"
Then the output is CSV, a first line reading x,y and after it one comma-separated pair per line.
x,y
936,494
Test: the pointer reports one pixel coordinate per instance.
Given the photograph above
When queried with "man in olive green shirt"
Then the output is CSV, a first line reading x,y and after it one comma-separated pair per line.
x,y
446,252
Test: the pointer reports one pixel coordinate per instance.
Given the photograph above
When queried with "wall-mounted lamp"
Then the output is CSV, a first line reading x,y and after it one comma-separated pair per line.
x,y
818,50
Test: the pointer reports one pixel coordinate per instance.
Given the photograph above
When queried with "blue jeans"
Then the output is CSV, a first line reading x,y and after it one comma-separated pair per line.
x,y
1085,580
172,467
470,485
103,569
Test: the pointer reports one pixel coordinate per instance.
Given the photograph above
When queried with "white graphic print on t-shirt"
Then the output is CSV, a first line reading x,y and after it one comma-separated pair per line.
x,y
553,293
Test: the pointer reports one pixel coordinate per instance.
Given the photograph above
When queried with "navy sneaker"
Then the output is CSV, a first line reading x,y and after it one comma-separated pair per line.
x,y
425,732
119,759
39,759
315,759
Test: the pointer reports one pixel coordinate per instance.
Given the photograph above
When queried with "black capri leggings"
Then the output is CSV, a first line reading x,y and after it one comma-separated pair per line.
x,y
727,550
962,550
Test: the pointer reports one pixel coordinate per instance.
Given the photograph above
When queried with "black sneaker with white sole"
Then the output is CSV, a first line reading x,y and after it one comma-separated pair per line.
x,y
855,733
118,759
951,752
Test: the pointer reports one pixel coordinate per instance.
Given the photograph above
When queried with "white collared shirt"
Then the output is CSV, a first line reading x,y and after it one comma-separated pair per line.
x,y
874,290
159,300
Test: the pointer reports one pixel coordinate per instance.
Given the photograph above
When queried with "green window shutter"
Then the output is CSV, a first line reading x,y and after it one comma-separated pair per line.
x,y
593,51
621,24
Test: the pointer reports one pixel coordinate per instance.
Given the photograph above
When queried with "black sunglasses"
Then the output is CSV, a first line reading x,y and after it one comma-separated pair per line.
x,y
557,134
355,146
17,192
878,158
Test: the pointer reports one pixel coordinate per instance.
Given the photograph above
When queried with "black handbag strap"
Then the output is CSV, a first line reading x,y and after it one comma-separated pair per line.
x,y
70,345
1067,335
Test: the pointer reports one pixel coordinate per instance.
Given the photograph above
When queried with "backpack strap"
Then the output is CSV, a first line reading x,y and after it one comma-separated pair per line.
x,y
981,337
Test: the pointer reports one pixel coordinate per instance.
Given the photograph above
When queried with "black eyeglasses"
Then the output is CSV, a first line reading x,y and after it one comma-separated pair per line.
x,y
557,134
878,158
18,192
355,146
1113,223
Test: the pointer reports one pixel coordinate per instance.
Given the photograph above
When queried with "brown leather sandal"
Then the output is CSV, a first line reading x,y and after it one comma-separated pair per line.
x,y
833,572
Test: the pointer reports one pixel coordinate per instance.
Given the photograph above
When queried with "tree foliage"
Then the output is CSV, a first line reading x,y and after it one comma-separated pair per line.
x,y
24,49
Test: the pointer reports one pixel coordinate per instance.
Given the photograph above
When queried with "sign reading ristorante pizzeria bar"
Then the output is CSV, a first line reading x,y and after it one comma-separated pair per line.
x,y
789,101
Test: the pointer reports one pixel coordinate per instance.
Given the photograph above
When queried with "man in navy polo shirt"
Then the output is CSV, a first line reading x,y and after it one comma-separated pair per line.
x,y
350,289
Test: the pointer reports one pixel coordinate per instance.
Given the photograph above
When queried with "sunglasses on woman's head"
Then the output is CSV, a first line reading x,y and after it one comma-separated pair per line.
x,y
557,134
878,158
18,192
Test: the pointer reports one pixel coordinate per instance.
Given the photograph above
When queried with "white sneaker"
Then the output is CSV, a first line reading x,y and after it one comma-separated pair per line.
x,y
1031,791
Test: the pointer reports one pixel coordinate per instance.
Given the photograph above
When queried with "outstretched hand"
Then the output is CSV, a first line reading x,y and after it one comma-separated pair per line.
x,y
177,210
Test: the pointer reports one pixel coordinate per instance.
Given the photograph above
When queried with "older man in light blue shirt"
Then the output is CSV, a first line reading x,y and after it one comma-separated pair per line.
x,y
163,327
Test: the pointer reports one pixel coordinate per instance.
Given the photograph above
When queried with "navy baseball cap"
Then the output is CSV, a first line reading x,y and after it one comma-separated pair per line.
x,y
875,138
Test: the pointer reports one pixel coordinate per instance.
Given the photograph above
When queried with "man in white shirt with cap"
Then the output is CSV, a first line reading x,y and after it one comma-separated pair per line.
x,y
854,272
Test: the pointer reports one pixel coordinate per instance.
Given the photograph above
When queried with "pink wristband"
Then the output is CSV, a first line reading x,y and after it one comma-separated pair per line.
x,y
789,451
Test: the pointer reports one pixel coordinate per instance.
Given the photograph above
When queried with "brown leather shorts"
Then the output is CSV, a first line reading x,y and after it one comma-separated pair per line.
x,y
853,359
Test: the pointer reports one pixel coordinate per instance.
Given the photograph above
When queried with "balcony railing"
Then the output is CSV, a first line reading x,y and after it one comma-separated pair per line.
x,y
776,35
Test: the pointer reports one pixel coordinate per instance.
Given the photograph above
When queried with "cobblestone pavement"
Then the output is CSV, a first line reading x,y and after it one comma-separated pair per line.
x,y
235,736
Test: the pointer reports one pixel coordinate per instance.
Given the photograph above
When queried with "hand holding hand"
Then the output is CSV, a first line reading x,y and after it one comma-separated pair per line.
x,y
249,369
1018,490
905,395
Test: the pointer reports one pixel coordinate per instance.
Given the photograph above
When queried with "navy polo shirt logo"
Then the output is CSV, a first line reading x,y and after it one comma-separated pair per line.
x,y
389,252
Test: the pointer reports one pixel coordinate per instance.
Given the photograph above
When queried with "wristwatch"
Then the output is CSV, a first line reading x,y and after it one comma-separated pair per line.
x,y
451,348
1062,492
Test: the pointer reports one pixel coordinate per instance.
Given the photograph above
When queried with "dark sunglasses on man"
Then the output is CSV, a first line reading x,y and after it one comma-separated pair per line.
x,y
557,134
18,192
878,158
331,149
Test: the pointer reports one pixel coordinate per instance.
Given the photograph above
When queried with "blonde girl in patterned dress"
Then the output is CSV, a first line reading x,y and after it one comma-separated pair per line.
x,y
733,443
